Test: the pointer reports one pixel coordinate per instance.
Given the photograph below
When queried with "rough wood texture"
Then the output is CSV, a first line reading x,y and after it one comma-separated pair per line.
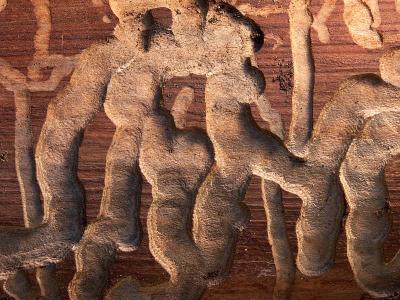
x,y
78,24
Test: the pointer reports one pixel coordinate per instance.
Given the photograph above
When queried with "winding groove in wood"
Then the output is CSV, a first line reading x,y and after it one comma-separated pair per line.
x,y
198,178
300,21
362,20
17,284
3,4
278,239
319,23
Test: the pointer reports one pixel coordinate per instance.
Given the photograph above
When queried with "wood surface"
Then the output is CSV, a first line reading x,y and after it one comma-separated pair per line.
x,y
77,24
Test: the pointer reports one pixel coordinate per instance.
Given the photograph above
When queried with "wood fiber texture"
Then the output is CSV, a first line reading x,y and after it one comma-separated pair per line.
x,y
77,24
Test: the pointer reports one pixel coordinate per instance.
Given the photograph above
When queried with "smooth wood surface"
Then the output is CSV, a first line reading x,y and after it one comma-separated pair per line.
x,y
77,24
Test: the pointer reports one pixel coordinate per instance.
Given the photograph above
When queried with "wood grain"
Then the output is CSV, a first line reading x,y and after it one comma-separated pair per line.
x,y
76,25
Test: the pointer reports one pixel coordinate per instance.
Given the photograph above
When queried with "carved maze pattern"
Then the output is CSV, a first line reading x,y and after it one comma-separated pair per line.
x,y
199,178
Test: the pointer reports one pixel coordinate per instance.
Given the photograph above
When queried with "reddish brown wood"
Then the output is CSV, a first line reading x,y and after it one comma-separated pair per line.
x,y
76,25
